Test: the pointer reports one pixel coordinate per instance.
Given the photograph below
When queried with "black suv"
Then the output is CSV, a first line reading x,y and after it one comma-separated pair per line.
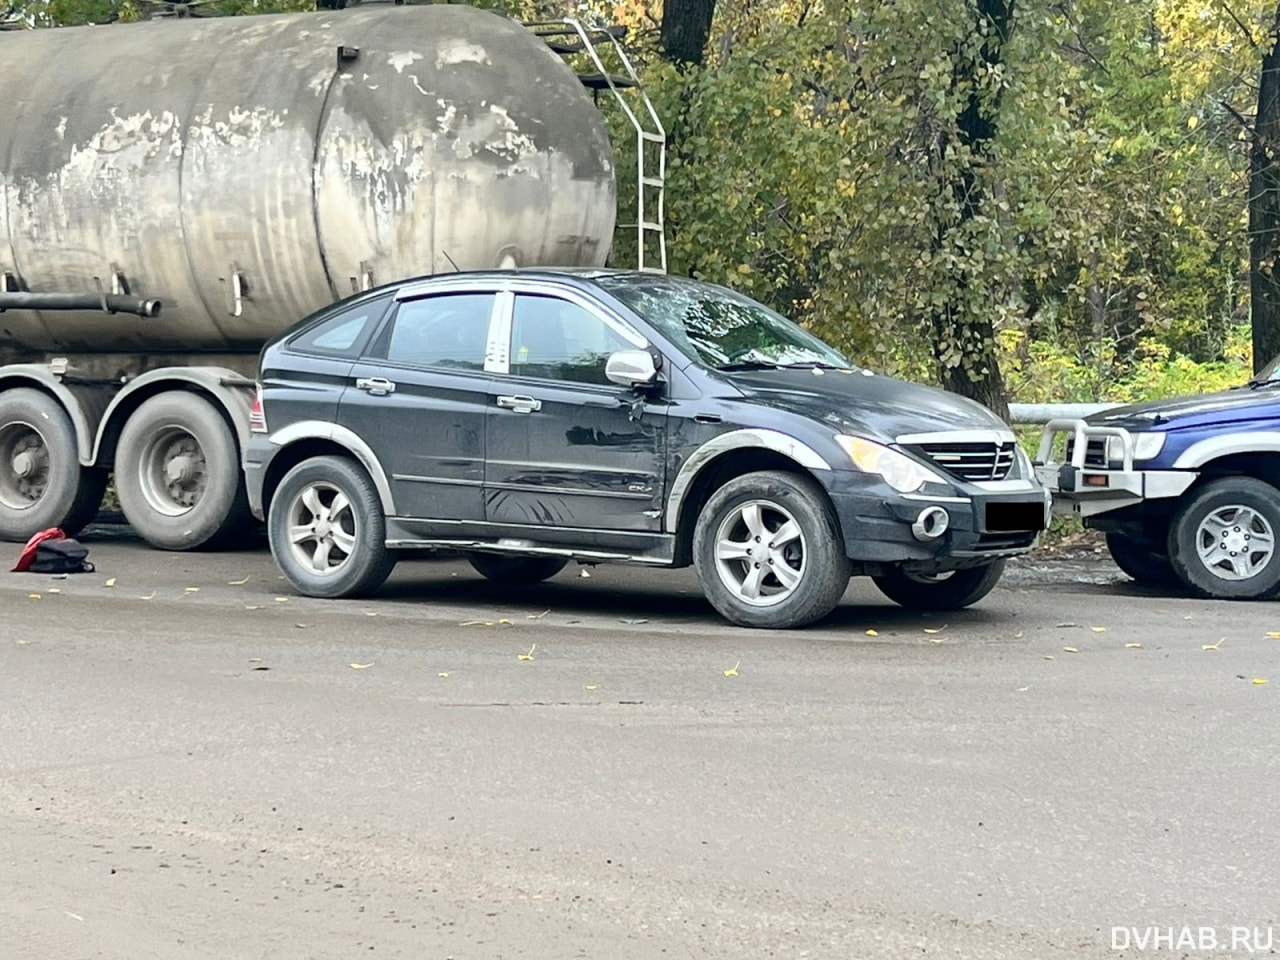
x,y
534,417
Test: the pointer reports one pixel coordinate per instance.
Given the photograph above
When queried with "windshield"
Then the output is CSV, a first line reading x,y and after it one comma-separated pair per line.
x,y
720,328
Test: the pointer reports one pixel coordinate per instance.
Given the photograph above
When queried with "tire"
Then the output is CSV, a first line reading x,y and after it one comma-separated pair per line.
x,y
515,571
1222,542
954,590
1141,562
305,498
42,484
178,474
732,528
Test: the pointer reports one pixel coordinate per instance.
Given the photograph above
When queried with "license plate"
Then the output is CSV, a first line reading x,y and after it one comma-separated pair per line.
x,y
1013,517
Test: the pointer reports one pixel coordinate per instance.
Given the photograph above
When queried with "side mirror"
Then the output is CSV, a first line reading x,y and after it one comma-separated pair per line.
x,y
631,368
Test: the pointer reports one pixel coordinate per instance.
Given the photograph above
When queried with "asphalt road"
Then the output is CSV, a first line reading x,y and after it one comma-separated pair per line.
x,y
195,762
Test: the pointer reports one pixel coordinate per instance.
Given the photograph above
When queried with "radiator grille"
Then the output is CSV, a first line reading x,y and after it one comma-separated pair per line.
x,y
972,461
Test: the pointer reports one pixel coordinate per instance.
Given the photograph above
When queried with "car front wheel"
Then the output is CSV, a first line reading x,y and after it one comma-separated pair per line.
x,y
327,530
768,551
952,590
1222,543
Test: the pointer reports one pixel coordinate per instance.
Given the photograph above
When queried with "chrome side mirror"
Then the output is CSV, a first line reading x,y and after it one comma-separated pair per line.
x,y
631,368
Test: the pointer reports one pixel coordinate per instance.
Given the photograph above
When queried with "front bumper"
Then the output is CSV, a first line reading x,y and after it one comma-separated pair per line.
x,y
984,522
1083,489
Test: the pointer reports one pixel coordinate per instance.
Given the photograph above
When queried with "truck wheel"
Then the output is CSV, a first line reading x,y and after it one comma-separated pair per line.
x,y
769,553
1141,562
178,473
953,590
327,530
515,571
42,484
1222,543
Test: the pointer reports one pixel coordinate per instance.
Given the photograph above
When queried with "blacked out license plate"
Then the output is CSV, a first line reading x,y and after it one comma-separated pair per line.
x,y
1013,517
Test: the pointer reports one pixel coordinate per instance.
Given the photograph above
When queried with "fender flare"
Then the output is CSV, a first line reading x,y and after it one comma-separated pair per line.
x,y
757,438
83,404
348,440
1204,451
229,389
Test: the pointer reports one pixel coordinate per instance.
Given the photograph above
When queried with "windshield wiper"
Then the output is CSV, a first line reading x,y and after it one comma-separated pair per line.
x,y
749,365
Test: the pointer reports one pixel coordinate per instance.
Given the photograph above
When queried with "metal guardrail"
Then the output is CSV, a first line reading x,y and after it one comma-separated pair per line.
x,y
1042,413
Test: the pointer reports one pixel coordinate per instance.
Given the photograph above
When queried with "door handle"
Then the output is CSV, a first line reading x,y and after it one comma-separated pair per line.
x,y
377,386
520,404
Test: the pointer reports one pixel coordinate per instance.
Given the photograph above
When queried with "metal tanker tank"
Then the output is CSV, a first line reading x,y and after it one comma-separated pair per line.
x,y
246,171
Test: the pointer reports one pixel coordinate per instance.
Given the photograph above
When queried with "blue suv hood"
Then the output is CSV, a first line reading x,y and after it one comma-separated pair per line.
x,y
1240,405
873,406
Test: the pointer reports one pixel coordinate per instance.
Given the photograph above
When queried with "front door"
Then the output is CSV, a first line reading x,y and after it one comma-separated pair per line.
x,y
419,398
567,449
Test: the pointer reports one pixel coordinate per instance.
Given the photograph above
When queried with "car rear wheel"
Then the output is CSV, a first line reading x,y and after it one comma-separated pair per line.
x,y
327,530
768,551
1222,543
1144,564
515,571
951,590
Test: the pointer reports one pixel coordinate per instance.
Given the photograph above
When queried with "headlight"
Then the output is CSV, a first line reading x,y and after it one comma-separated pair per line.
x,y
1145,447
899,471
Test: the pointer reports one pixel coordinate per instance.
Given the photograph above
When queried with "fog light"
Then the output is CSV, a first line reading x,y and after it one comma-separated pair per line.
x,y
930,524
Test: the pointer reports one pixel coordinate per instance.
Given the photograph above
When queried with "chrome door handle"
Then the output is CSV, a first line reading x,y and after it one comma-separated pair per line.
x,y
377,386
520,404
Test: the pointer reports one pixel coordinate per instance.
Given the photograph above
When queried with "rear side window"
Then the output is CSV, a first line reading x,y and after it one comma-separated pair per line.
x,y
451,330
345,333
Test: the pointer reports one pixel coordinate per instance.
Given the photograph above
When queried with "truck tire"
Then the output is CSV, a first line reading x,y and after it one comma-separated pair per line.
x,y
953,590
769,553
515,571
178,473
327,530
42,484
1144,564
1222,542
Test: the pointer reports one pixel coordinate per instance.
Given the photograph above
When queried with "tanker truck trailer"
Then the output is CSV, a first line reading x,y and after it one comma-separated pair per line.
x,y
173,193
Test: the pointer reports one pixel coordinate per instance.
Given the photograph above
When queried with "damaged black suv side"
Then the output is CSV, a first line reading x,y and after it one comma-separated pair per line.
x,y
534,417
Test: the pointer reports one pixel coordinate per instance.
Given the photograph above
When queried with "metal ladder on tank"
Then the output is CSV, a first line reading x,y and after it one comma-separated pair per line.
x,y
569,37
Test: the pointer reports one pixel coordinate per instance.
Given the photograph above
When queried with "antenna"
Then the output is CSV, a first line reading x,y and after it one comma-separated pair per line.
x,y
451,263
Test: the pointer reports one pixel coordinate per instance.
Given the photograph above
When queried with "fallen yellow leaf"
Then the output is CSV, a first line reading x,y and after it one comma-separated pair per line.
x,y
33,596
1023,689
1213,646
1070,650
238,583
1051,657
442,674
732,671
54,590
937,639
536,616
193,590
1259,681
590,686
935,629
507,622
525,656
360,666
872,633
253,606
282,599
111,582
371,613
1274,636
1098,629
301,626
476,623
585,574
1133,646
149,596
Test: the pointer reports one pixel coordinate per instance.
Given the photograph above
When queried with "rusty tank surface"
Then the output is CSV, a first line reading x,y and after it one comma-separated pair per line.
x,y
246,171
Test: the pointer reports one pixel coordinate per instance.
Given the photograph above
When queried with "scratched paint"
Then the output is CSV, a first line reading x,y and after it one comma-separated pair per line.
x,y
471,140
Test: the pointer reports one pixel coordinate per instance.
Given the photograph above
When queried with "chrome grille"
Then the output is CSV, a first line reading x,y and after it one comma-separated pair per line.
x,y
972,461
1095,453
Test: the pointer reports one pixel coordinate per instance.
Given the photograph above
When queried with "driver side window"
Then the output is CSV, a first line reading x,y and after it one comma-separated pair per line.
x,y
554,339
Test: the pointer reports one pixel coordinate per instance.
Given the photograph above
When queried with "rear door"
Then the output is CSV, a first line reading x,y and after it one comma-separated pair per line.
x,y
567,449
418,398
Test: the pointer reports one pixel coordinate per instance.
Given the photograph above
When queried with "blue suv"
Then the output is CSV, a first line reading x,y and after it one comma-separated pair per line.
x,y
1187,490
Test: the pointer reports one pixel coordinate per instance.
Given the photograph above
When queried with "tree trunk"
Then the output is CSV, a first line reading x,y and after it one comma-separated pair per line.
x,y
686,25
977,375
1264,209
